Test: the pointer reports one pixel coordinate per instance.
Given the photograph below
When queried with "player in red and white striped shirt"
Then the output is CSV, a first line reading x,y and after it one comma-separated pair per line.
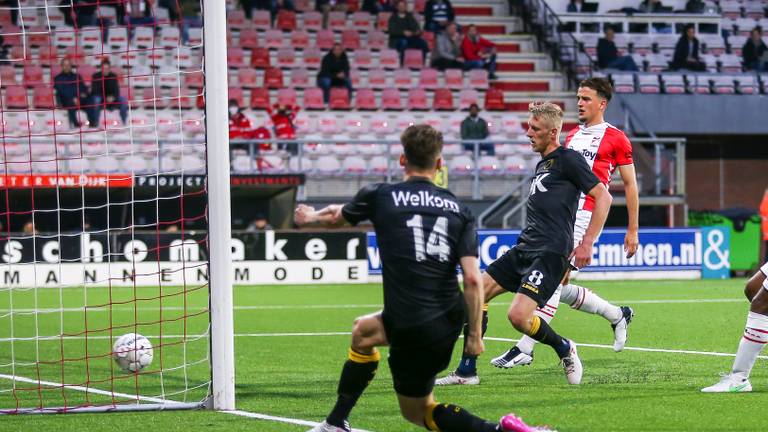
x,y
605,149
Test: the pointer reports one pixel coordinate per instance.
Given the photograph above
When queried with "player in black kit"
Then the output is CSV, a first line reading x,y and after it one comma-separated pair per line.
x,y
423,234
537,264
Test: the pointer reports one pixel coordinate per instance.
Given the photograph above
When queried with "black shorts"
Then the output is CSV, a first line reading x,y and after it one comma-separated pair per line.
x,y
533,273
417,354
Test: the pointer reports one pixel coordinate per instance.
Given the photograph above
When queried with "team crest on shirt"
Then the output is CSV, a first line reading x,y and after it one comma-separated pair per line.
x,y
547,165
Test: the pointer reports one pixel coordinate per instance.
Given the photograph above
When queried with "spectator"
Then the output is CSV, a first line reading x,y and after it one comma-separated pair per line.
x,y
580,6
479,52
475,128
652,6
240,126
259,223
608,55
754,51
13,5
326,6
334,71
172,228
174,11
82,13
687,52
105,88
695,6
448,49
437,15
404,31
376,6
191,16
273,6
29,228
139,12
72,94
282,121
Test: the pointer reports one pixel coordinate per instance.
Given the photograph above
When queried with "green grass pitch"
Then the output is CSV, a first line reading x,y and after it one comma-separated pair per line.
x,y
295,376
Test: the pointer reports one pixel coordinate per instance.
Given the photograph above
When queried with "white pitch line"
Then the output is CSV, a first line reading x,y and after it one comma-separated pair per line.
x,y
331,306
279,419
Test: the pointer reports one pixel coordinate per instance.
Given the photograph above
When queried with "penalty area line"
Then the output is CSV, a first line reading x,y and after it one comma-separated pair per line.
x,y
278,419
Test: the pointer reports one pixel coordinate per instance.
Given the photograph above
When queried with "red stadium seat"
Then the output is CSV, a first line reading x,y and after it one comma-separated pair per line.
x,y
312,58
377,78
443,100
236,93
273,38
494,99
418,6
260,98
247,77
305,6
339,98
365,99
286,96
7,75
417,99
354,76
361,21
260,58
300,39
325,39
454,79
16,97
87,70
286,20
183,98
363,58
262,20
337,20
413,59
428,78
313,21
478,78
389,59
235,58
42,97
403,78
468,97
249,39
236,19
48,55
286,57
377,40
299,78
273,78
391,99
38,36
429,38
382,20
313,99
194,79
350,39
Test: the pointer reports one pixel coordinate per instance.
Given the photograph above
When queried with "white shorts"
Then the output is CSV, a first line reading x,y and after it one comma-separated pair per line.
x,y
579,228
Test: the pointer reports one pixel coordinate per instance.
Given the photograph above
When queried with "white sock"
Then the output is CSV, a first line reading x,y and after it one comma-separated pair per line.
x,y
546,313
754,339
585,300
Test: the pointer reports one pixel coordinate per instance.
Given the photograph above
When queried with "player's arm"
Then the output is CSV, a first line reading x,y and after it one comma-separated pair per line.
x,y
583,252
328,217
473,296
629,178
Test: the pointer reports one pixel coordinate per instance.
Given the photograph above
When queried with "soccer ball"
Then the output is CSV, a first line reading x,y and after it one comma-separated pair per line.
x,y
132,352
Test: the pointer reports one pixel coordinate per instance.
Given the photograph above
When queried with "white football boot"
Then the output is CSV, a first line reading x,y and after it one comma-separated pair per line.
x,y
730,383
620,328
325,427
454,379
513,357
572,365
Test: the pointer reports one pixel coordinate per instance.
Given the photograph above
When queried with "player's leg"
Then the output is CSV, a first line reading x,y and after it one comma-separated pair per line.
x,y
585,300
466,371
522,353
358,371
752,342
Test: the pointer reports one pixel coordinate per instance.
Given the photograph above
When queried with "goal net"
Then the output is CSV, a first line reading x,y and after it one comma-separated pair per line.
x,y
104,209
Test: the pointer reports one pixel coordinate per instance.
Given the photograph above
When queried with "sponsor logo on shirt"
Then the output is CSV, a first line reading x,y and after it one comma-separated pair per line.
x,y
424,199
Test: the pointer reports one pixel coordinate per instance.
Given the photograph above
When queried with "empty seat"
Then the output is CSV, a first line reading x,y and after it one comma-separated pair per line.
x,y
299,78
260,58
286,58
33,75
363,58
235,58
260,98
339,98
478,78
247,78
417,99
723,84
403,78
489,165
494,100
377,40
312,21
327,165
461,165
413,59
337,20
468,97
624,82
313,99
427,78
648,83
325,39
350,39
354,165
312,57
673,83
273,78
747,84
365,99
286,96
286,20
361,21
391,99
43,97
273,38
15,97
249,39
443,100
454,79
389,59
262,20
300,39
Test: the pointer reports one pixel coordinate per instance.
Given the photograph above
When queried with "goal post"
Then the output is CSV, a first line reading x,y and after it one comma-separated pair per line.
x,y
219,211
114,207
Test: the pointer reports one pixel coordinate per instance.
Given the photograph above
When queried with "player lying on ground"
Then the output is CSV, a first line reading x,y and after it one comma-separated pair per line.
x,y
754,339
537,264
604,148
423,234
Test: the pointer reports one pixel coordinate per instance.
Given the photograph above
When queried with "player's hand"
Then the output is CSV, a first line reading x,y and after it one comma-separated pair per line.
x,y
473,346
630,243
582,254
303,214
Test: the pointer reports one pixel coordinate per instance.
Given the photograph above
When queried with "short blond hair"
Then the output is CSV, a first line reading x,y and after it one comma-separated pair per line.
x,y
550,113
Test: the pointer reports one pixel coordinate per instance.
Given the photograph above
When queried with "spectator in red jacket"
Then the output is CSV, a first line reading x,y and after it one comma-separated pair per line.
x,y
282,119
478,52
240,126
